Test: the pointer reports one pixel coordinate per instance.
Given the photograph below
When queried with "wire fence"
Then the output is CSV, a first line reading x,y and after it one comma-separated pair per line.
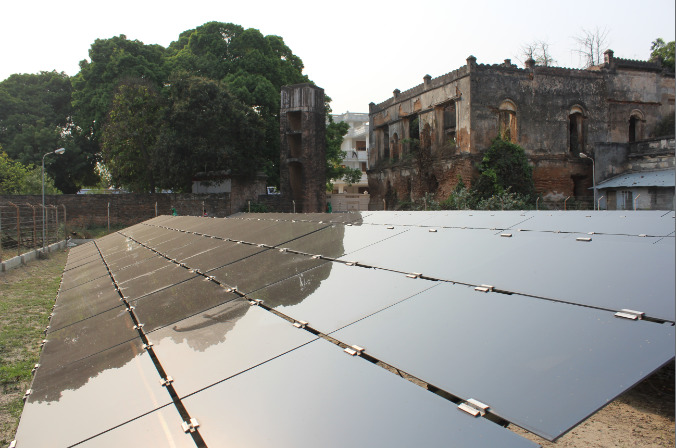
x,y
26,226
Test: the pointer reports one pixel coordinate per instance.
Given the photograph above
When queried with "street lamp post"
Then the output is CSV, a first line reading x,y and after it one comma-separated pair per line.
x,y
585,156
58,151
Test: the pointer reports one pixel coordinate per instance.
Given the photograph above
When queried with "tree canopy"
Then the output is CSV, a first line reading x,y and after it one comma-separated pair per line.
x,y
664,52
17,178
155,116
35,112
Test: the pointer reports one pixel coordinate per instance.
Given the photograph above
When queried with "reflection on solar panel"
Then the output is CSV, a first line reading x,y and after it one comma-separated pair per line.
x,y
372,329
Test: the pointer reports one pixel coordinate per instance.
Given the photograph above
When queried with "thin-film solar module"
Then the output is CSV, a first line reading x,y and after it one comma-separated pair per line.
x,y
270,267
182,300
646,222
84,301
91,396
317,395
160,428
598,272
195,350
328,297
542,365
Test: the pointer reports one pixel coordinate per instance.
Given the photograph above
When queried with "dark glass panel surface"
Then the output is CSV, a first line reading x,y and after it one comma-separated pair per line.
x,y
75,261
477,219
180,301
83,274
620,222
144,267
319,396
542,365
87,337
186,246
86,398
131,255
170,275
398,218
334,295
222,342
258,231
264,269
84,301
609,271
110,243
222,254
339,239
160,428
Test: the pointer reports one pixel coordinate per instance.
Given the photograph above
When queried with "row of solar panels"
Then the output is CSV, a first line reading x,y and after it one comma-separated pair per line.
x,y
498,307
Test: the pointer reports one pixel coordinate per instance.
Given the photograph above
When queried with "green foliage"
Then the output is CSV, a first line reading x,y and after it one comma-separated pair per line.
x,y
334,156
256,207
16,178
254,68
504,165
112,61
506,200
35,111
232,124
129,143
664,51
208,129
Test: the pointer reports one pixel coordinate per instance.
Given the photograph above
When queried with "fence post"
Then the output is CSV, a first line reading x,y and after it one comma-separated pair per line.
x,y
65,223
56,216
44,225
155,209
0,234
294,206
34,224
18,229
384,205
564,203
108,217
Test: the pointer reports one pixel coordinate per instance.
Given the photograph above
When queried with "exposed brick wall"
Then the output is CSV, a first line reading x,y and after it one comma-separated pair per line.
x,y
127,209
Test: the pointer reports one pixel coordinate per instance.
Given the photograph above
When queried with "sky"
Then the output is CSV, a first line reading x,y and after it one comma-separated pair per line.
x,y
357,51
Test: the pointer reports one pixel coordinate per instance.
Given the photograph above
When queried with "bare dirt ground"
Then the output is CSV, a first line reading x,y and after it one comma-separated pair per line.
x,y
641,417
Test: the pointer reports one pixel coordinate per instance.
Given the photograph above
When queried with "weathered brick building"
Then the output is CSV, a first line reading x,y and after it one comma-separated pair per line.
x,y
302,122
553,113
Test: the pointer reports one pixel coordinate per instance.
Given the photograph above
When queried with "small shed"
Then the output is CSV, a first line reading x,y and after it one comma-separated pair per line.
x,y
645,190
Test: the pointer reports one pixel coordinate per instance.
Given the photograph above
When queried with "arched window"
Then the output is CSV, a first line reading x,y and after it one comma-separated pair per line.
x,y
576,134
396,155
636,120
507,121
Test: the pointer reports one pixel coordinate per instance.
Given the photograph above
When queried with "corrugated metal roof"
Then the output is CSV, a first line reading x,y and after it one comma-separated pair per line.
x,y
641,179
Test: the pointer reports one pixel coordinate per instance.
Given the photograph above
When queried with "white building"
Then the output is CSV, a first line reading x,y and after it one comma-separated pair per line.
x,y
355,145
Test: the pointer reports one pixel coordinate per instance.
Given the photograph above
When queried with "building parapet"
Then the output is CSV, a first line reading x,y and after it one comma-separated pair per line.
x,y
654,146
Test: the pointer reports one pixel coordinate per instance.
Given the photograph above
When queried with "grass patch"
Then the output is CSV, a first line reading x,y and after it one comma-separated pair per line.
x,y
26,298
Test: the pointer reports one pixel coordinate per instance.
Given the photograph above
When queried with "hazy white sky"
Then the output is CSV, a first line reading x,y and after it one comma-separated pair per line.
x,y
357,51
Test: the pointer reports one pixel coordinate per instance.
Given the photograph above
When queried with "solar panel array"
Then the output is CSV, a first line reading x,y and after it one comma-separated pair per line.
x,y
371,329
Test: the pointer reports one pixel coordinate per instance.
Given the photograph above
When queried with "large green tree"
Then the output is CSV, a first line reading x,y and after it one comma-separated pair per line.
x,y
207,129
254,68
35,112
130,136
111,62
